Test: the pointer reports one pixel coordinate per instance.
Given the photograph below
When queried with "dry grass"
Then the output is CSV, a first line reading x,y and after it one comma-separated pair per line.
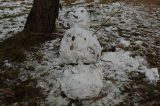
x,y
140,91
14,92
13,49
147,3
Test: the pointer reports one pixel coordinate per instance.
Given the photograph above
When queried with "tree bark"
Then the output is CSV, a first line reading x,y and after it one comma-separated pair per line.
x,y
42,16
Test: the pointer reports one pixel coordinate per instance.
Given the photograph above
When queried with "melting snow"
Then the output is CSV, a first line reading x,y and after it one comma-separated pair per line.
x,y
115,66
152,75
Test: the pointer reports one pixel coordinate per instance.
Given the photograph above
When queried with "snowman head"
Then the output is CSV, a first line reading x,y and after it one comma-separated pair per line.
x,y
80,17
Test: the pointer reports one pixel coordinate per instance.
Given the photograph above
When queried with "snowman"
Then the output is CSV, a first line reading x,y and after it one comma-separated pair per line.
x,y
79,44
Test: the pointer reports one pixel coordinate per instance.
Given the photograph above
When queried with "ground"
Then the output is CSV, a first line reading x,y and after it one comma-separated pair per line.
x,y
33,78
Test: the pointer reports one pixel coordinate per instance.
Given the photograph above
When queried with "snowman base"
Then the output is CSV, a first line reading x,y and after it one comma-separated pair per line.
x,y
82,82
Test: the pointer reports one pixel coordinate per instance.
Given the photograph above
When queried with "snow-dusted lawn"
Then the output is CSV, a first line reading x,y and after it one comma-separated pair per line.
x,y
13,16
141,58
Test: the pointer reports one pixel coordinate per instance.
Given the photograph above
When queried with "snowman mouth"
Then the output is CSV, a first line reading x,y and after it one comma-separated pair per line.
x,y
75,16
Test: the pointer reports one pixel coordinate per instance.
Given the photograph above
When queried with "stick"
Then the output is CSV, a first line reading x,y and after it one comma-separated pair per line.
x,y
52,35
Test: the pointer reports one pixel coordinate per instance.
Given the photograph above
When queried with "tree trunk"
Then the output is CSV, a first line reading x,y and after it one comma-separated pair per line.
x,y
42,17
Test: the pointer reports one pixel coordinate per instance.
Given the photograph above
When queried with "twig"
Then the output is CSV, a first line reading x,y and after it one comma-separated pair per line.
x,y
52,35
99,97
111,16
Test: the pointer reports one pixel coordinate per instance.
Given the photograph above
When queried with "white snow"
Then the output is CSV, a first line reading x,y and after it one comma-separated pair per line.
x,y
152,75
120,64
139,42
79,45
120,60
82,82
122,42
13,16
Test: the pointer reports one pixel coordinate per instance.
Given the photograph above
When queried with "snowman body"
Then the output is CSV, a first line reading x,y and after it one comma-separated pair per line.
x,y
79,45
82,82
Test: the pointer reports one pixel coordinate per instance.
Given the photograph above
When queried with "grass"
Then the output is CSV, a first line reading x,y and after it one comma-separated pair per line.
x,y
153,57
147,3
140,91
14,48
8,7
14,91
150,4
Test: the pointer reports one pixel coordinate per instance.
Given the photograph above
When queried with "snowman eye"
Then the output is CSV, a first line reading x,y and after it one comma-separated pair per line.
x,y
82,11
73,38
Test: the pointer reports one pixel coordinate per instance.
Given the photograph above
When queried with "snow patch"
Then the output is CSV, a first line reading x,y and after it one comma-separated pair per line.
x,y
152,75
